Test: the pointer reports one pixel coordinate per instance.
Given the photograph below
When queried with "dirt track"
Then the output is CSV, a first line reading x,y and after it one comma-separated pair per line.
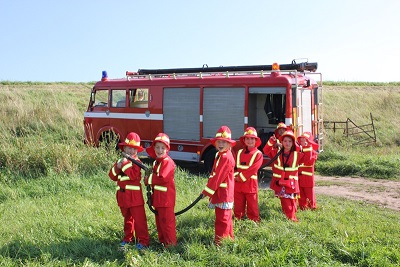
x,y
381,192
384,193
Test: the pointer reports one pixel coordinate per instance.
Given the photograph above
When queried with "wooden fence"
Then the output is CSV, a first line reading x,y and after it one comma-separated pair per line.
x,y
363,134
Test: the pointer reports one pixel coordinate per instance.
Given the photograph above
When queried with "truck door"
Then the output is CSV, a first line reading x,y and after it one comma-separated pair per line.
x,y
305,113
97,116
141,113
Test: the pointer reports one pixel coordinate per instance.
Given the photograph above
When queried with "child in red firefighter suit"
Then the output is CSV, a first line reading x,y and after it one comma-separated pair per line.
x,y
248,161
162,182
307,198
285,174
220,185
280,129
129,193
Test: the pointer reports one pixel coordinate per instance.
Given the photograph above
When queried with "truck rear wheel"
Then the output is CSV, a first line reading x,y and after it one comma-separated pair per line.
x,y
209,158
109,140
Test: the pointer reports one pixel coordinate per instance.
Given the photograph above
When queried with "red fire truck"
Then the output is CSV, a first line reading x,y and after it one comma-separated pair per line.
x,y
190,104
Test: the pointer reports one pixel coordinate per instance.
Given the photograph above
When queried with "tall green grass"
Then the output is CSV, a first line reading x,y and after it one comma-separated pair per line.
x,y
42,130
58,208
357,101
73,220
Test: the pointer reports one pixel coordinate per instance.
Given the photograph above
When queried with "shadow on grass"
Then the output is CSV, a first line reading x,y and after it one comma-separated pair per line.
x,y
75,251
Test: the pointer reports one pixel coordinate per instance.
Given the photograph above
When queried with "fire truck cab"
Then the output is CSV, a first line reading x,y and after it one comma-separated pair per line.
x,y
190,104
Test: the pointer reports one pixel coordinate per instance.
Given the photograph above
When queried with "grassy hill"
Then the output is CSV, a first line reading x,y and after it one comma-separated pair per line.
x,y
44,120
358,101
58,206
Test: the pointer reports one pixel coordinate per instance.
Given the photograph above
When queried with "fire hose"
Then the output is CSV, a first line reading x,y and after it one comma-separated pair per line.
x,y
201,196
272,160
149,190
148,187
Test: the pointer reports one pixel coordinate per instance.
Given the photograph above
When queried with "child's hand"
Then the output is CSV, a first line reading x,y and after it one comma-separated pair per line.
x,y
121,162
147,172
278,145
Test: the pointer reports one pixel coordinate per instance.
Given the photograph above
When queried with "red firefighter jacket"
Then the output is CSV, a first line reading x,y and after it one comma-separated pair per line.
x,y
248,161
306,172
220,186
129,189
162,182
285,168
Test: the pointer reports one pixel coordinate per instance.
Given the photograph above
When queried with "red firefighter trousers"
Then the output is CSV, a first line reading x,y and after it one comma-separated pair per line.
x,y
135,222
166,226
251,201
289,207
223,225
307,198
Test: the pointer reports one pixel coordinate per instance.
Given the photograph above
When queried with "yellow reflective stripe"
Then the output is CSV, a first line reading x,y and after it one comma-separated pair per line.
x,y
294,164
253,158
236,174
123,178
269,143
158,168
223,135
114,172
238,157
276,175
160,188
307,149
253,177
126,166
294,177
209,190
242,177
245,167
216,164
150,179
278,167
132,187
307,173
223,185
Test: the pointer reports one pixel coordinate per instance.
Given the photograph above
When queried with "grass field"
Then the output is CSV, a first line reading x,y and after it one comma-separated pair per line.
x,y
58,205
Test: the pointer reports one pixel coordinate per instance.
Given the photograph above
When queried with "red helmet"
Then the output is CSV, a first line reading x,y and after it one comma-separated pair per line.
x,y
161,138
280,125
309,137
252,133
224,133
131,140
290,134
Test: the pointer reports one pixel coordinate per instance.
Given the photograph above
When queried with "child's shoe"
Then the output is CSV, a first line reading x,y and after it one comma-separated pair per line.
x,y
123,243
140,246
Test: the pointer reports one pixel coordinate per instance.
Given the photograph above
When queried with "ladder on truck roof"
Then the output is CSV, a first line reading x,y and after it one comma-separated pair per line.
x,y
301,67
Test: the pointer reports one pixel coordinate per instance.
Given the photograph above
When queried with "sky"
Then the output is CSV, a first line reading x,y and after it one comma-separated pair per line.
x,y
75,40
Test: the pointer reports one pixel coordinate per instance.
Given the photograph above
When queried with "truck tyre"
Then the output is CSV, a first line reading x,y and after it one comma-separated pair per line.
x,y
209,158
109,140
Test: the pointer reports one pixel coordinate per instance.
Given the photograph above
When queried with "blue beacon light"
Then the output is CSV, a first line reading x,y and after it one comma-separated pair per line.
x,y
104,75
